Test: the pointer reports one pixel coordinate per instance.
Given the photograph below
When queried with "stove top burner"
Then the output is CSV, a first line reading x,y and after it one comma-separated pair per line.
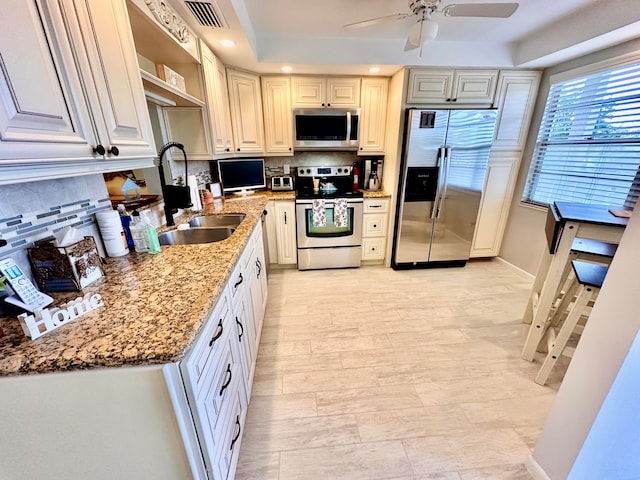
x,y
334,182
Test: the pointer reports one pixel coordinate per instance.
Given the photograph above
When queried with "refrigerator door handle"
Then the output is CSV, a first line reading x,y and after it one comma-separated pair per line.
x,y
436,202
447,161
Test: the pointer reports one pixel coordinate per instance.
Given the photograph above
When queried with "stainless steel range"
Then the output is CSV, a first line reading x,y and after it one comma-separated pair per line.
x,y
328,218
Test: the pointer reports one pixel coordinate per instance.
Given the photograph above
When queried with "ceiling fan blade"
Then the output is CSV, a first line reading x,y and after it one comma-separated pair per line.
x,y
375,21
492,10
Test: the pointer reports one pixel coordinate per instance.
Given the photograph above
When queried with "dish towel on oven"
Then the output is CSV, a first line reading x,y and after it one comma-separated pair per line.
x,y
317,210
340,212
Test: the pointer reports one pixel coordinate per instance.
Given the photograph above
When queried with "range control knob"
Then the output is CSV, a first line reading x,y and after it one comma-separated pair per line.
x,y
339,170
308,170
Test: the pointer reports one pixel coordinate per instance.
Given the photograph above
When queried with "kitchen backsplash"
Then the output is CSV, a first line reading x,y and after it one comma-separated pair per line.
x,y
36,210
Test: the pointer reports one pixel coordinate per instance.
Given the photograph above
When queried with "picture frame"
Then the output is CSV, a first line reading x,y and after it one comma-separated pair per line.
x,y
216,189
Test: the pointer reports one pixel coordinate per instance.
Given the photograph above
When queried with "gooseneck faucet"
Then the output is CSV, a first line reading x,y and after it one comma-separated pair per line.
x,y
175,196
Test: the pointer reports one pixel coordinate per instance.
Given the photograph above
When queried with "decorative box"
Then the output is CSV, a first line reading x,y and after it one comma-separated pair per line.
x,y
172,78
63,269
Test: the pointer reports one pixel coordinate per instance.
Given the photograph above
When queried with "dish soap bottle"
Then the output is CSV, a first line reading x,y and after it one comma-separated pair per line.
x,y
153,244
138,233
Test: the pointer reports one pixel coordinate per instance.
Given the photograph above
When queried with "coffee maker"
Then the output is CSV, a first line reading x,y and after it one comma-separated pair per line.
x,y
372,179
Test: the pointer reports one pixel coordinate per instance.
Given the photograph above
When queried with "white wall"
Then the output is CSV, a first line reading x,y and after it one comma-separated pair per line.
x,y
524,239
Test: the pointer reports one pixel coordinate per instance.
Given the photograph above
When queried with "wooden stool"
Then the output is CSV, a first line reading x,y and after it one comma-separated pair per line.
x,y
583,249
587,284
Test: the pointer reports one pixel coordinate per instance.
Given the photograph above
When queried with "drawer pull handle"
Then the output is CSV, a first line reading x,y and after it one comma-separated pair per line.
x,y
237,435
217,334
226,384
241,329
235,285
375,206
259,267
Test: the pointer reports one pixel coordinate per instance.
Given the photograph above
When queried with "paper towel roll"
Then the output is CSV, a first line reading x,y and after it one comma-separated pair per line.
x,y
115,243
192,182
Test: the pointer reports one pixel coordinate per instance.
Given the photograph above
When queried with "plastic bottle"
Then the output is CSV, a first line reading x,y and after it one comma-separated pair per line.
x,y
153,244
356,180
125,219
138,233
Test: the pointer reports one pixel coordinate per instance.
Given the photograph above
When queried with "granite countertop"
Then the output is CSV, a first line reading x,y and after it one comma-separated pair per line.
x,y
375,194
155,305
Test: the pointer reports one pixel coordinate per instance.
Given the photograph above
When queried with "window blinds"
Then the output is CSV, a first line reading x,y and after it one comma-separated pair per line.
x,y
588,146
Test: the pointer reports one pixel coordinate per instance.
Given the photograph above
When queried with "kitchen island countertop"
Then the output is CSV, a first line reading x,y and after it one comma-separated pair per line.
x,y
155,305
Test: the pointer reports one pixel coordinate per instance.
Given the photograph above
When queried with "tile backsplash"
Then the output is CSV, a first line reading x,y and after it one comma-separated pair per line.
x,y
36,210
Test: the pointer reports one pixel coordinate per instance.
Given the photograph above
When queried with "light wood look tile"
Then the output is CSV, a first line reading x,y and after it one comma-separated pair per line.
x,y
411,375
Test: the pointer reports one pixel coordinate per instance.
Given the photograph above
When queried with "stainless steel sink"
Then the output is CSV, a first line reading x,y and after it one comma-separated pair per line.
x,y
222,220
195,235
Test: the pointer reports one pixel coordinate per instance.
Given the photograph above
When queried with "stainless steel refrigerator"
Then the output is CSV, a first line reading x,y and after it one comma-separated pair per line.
x,y
444,163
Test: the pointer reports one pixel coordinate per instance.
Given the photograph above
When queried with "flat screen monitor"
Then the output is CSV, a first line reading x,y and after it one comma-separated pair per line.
x,y
242,175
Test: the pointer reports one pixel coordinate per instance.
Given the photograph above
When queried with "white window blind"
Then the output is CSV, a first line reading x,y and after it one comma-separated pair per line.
x,y
588,146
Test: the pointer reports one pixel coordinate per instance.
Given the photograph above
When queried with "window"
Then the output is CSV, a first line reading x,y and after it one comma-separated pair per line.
x,y
588,146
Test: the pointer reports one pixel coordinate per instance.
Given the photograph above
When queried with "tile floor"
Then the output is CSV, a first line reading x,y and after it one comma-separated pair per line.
x,y
375,374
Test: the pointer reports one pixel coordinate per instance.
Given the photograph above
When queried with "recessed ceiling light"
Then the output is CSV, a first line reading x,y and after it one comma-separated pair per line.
x,y
227,43
287,69
374,69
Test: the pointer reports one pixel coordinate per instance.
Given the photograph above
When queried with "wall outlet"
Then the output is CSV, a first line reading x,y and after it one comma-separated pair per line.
x,y
287,169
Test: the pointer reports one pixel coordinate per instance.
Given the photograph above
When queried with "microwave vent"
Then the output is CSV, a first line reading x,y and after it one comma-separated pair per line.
x,y
207,14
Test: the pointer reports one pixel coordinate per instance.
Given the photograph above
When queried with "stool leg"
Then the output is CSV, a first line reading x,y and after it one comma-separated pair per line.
x,y
584,294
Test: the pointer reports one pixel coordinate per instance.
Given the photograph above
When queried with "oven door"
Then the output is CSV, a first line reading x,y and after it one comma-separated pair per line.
x,y
310,236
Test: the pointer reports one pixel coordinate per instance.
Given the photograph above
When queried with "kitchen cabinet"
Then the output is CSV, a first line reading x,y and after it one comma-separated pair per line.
x,y
451,87
515,100
255,267
278,116
217,97
325,92
374,229
373,115
283,219
245,103
77,106
188,126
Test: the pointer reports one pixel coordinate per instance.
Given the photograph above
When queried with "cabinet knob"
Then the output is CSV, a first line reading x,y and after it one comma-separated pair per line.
x,y
328,104
99,149
238,149
323,104
454,100
448,100
227,149
113,150
361,148
290,148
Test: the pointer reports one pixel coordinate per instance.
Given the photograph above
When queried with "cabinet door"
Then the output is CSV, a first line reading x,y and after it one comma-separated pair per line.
x,y
429,86
285,214
373,115
43,113
188,125
343,92
309,92
474,86
246,112
215,88
494,205
112,77
515,99
278,117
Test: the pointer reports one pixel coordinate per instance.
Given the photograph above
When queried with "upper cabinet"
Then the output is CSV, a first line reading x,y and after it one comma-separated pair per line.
x,y
325,92
77,106
450,87
217,97
278,117
373,115
245,102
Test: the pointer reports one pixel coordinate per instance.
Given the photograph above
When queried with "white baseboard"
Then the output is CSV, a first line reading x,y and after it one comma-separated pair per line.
x,y
517,268
535,469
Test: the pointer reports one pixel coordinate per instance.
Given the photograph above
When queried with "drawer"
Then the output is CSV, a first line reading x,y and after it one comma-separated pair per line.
x,y
373,248
231,436
374,225
375,205
208,343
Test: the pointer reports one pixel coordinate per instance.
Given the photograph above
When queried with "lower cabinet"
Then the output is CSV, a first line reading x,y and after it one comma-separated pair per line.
x,y
281,225
374,228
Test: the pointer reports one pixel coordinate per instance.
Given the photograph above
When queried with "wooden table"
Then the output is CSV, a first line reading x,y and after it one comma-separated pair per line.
x,y
565,222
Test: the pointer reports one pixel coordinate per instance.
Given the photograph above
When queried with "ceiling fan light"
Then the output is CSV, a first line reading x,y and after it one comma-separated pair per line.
x,y
429,31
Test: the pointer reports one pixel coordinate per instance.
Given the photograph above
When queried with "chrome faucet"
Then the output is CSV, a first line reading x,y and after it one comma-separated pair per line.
x,y
175,196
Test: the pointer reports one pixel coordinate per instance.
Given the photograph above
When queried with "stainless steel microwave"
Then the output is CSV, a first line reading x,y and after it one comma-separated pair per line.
x,y
333,128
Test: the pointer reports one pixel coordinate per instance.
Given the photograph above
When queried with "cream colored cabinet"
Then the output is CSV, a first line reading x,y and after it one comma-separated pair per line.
x,y
373,115
451,87
515,99
245,103
217,98
278,117
375,219
284,218
77,105
188,125
325,92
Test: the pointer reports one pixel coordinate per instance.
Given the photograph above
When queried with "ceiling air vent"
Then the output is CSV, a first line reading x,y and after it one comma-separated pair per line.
x,y
207,14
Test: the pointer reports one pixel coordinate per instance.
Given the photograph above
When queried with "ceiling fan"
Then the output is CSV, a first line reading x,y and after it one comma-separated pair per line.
x,y
426,29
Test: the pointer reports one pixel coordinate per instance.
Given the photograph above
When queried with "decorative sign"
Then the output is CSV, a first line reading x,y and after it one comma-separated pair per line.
x,y
46,320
